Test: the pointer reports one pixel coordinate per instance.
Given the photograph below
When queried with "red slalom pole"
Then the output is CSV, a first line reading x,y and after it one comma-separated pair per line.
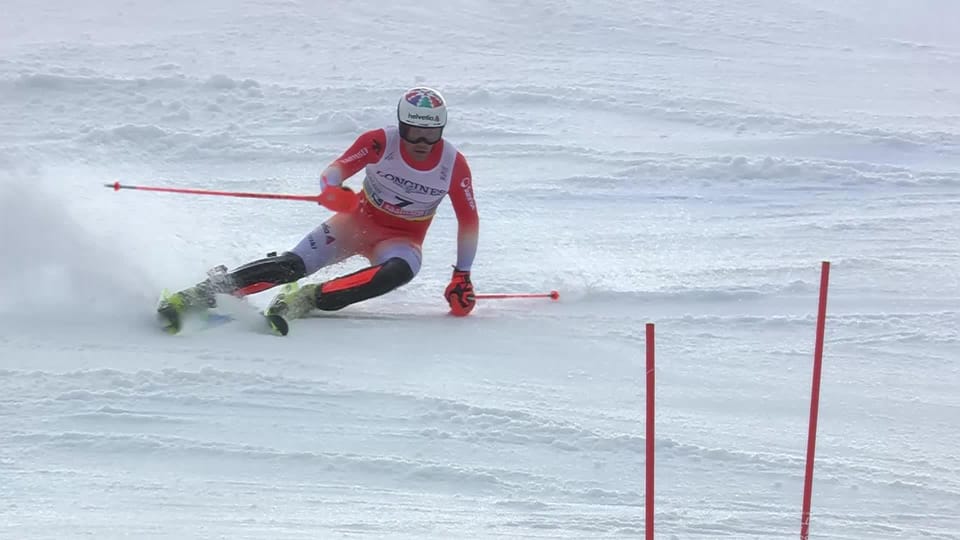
x,y
117,186
648,502
553,295
814,402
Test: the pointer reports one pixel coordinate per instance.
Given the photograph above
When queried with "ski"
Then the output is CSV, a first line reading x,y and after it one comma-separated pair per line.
x,y
278,325
201,307
173,312
174,317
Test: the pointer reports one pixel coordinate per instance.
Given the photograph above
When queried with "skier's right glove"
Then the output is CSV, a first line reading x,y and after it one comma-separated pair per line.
x,y
459,293
339,198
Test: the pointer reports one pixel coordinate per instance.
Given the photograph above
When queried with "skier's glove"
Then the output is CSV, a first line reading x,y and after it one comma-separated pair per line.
x,y
459,293
339,198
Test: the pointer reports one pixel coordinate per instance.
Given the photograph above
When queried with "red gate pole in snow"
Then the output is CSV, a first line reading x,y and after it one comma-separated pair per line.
x,y
814,401
650,439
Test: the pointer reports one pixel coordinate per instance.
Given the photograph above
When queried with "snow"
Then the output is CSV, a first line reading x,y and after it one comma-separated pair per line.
x,y
684,163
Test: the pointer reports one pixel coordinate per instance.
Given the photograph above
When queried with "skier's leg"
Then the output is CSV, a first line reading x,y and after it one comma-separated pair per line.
x,y
334,240
323,246
396,262
404,248
263,274
250,278
331,242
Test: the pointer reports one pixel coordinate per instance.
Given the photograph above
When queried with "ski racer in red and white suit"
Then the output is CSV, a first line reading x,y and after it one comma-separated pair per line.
x,y
409,169
403,186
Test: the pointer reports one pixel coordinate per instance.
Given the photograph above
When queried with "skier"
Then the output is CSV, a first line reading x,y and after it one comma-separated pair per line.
x,y
409,169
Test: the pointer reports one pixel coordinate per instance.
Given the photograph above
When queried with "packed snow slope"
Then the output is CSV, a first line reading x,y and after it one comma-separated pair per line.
x,y
684,163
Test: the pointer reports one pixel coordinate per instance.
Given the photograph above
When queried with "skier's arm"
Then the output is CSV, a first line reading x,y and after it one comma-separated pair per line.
x,y
365,150
465,207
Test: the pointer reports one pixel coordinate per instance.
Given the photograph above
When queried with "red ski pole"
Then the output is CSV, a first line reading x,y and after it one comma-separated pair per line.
x,y
117,186
553,295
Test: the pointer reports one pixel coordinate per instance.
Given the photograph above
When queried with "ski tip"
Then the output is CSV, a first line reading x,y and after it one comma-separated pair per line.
x,y
169,320
278,324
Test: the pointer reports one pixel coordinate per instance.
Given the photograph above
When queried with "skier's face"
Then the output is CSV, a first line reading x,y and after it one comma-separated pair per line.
x,y
418,141
418,151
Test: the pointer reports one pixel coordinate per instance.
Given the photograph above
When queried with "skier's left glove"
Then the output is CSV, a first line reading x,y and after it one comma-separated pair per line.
x,y
459,293
339,198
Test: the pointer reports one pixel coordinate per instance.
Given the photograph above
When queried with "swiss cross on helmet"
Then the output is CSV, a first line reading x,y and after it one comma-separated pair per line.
x,y
422,113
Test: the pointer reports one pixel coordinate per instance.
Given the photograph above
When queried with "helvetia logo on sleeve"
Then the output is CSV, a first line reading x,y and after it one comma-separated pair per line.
x,y
356,155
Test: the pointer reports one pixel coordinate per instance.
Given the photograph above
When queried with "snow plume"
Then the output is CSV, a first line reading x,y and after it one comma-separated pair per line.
x,y
51,263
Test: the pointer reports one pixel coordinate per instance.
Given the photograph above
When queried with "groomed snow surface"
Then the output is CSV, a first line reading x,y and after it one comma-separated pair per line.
x,y
684,163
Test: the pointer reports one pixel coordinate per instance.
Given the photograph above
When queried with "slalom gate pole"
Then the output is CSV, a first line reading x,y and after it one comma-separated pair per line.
x,y
814,402
117,186
553,295
648,496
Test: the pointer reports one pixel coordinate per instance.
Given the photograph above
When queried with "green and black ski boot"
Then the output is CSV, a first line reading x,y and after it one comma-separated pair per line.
x,y
293,302
174,309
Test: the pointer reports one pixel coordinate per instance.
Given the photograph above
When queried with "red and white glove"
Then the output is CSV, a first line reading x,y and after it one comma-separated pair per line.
x,y
339,198
459,293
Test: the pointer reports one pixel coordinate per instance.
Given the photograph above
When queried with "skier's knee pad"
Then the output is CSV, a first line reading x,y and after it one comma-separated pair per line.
x,y
270,271
396,272
364,284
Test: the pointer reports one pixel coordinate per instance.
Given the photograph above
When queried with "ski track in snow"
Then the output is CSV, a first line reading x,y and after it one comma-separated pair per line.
x,y
688,164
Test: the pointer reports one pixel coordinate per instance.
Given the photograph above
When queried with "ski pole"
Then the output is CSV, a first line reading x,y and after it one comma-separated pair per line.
x,y
117,186
553,295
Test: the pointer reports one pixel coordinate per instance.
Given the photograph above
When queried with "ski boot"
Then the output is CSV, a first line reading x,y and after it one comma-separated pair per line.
x,y
174,308
293,302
